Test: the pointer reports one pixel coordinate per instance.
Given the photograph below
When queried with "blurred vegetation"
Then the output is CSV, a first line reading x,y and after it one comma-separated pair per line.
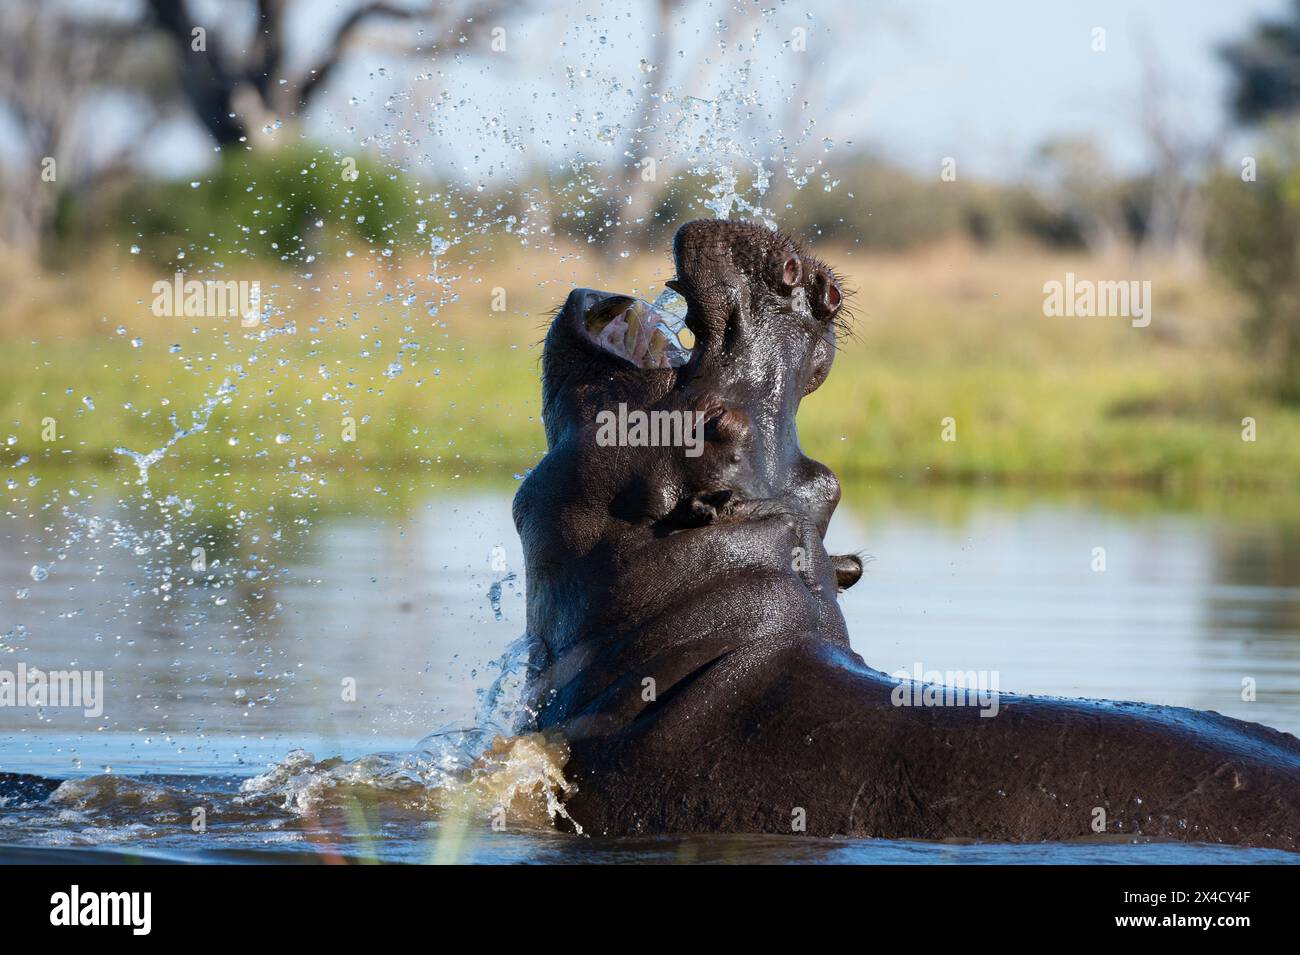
x,y
1265,68
950,323
1056,402
284,204
1254,240
950,316
281,205
1253,234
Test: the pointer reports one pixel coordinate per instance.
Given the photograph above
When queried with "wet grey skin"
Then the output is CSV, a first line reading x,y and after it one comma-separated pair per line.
x,y
702,672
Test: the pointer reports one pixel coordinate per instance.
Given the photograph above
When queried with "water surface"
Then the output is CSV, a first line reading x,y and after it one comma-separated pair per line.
x,y
317,682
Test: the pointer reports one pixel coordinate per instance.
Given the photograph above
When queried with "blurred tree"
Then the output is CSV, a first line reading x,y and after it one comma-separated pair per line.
x,y
879,204
232,93
287,205
1168,205
1075,175
1254,234
51,65
59,60
640,142
1254,240
1265,69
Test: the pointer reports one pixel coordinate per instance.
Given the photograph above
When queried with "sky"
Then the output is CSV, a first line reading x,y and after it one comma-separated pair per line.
x,y
992,80
912,80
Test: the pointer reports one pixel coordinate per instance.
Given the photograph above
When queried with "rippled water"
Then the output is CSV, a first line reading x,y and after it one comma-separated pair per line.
x,y
306,737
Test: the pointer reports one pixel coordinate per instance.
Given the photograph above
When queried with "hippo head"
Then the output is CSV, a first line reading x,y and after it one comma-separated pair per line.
x,y
764,317
666,547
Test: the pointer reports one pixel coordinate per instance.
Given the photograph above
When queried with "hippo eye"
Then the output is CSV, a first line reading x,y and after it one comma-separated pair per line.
x,y
791,272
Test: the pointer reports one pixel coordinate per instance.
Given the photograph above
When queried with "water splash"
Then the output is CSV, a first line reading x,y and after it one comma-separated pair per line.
x,y
494,767
201,417
494,595
672,304
707,130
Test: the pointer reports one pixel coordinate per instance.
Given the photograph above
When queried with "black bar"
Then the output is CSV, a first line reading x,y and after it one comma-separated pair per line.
x,y
208,904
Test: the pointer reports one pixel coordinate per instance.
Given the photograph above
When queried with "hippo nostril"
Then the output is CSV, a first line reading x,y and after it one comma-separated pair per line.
x,y
827,296
791,272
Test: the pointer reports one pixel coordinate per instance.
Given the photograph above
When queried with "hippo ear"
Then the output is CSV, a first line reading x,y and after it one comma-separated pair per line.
x,y
791,272
631,330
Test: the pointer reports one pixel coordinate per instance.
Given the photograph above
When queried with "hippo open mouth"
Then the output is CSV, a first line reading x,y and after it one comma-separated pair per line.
x,y
684,614
758,334
770,282
640,332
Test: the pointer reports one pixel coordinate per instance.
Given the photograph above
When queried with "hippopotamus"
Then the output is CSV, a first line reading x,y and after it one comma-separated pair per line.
x,y
687,639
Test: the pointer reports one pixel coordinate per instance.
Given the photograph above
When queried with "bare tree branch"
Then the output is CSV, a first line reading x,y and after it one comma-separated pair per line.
x,y
267,53
208,85
346,30
43,89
